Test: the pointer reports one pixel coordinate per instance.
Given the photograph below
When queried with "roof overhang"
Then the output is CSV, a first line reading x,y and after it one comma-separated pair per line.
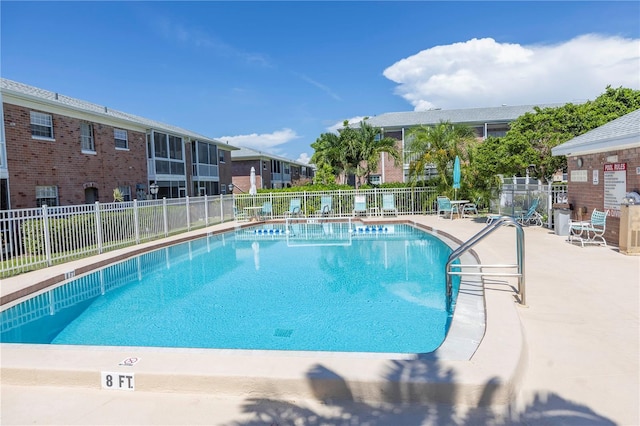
x,y
596,146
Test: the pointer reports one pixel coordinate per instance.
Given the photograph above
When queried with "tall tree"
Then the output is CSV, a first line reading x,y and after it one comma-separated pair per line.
x,y
438,145
329,150
534,134
366,144
353,150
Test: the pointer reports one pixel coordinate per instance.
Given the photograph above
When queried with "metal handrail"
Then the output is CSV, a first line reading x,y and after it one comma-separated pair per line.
x,y
464,247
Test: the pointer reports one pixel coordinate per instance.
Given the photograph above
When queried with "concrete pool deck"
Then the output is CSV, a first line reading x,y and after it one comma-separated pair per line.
x,y
571,356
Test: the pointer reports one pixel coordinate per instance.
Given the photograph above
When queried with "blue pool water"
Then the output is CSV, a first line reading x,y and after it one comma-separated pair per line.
x,y
310,287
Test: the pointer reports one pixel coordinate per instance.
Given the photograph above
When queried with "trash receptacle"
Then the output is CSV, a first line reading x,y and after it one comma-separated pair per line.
x,y
561,219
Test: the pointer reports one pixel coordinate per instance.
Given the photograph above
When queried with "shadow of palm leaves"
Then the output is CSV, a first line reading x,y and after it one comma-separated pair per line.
x,y
428,407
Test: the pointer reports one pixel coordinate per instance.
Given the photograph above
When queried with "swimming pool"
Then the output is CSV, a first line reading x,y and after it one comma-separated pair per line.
x,y
305,287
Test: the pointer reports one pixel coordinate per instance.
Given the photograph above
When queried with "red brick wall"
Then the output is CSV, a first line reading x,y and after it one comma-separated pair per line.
x,y
590,196
32,162
241,171
392,171
224,168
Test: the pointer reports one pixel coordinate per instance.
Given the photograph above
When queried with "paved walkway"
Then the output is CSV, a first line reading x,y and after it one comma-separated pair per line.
x,y
582,336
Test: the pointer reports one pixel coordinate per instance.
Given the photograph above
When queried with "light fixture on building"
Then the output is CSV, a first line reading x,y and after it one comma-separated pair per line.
x,y
153,189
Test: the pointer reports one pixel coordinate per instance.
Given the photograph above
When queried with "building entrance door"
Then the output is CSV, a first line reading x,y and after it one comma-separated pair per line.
x,y
90,195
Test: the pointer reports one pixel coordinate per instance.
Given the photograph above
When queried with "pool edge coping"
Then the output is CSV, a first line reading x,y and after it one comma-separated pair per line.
x,y
475,376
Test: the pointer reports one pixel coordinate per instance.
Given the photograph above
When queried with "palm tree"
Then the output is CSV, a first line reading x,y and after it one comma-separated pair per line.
x,y
438,145
353,150
329,150
370,143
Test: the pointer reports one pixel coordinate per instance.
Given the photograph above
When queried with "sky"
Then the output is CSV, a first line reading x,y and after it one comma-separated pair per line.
x,y
274,76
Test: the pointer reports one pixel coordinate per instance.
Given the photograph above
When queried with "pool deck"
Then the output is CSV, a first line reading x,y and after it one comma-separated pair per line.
x,y
571,356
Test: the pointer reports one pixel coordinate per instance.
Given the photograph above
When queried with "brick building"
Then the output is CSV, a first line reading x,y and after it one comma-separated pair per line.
x,y
271,170
58,150
493,121
603,165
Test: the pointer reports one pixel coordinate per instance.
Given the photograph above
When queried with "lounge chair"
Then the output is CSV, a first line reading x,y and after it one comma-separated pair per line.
x,y
360,205
266,211
238,215
389,204
471,208
590,232
445,207
326,208
294,208
531,216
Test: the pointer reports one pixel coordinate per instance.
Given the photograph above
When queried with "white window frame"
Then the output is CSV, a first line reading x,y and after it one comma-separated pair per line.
x,y
42,121
47,195
121,135
126,193
87,141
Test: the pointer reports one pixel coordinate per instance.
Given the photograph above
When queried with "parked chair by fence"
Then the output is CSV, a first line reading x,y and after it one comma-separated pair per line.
x,y
531,216
238,215
589,232
389,204
326,208
445,207
471,208
359,205
267,211
294,208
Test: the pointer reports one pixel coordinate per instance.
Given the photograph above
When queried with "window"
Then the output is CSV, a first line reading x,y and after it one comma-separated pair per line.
x,y
126,192
121,138
41,125
206,153
46,195
167,150
287,169
220,156
86,137
375,180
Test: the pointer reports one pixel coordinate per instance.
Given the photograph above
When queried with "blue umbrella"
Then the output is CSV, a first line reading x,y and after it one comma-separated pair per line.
x,y
456,176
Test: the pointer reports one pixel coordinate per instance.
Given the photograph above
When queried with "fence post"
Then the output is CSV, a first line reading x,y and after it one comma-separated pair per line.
x,y
98,226
165,216
304,206
206,211
549,204
46,234
188,207
222,207
136,220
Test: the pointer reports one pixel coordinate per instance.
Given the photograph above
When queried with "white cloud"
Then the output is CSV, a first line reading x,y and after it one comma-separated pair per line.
x,y
483,72
340,124
262,142
304,158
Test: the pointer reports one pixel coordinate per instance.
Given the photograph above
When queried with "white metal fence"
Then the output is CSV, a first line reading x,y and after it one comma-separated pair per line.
x,y
515,197
40,237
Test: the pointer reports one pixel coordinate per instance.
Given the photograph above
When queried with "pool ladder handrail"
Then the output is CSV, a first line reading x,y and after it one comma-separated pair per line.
x,y
467,245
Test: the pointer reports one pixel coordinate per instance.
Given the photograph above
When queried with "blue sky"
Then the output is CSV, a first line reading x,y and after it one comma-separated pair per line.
x,y
274,76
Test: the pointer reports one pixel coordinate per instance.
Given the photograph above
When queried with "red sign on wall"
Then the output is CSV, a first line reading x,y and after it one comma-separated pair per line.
x,y
615,167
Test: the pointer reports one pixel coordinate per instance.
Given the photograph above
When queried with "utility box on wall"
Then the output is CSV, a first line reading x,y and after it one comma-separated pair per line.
x,y
629,229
